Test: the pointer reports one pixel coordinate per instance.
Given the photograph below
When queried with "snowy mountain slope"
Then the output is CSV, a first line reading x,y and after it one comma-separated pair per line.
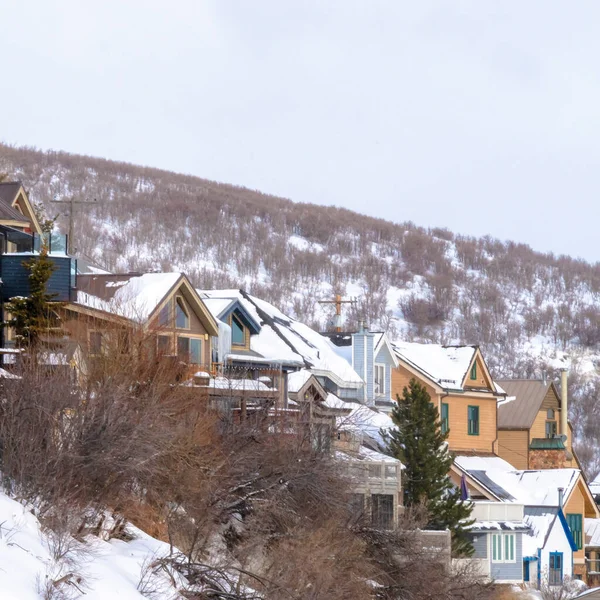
x,y
530,312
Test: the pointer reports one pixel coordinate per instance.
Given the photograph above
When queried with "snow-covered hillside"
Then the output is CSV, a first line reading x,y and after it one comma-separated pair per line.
x,y
37,563
530,312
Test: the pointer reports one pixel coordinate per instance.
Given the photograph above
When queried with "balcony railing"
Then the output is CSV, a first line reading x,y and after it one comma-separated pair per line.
x,y
15,241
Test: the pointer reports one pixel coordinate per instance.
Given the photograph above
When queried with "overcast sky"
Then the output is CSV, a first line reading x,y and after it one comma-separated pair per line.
x,y
480,116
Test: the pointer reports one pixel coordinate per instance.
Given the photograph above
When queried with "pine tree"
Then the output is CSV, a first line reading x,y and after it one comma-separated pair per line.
x,y
32,316
418,442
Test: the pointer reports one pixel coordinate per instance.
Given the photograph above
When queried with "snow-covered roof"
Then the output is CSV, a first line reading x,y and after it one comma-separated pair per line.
x,y
284,338
367,455
226,383
445,365
540,521
529,487
297,379
367,421
132,296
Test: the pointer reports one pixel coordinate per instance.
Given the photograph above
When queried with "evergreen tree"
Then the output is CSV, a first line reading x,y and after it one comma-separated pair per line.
x,y
418,442
32,316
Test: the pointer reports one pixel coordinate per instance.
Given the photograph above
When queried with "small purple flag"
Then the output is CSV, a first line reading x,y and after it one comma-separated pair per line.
x,y
464,490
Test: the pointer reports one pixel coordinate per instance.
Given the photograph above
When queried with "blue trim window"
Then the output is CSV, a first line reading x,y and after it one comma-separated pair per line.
x,y
555,573
526,571
575,522
473,420
445,423
238,336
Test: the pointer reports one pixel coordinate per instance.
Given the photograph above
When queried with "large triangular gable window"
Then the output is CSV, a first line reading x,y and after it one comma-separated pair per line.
x,y
182,319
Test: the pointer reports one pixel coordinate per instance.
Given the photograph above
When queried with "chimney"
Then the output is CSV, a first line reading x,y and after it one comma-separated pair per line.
x,y
564,406
560,497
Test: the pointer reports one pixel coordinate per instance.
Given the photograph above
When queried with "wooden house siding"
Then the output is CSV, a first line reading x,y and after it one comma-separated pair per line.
x,y
576,505
513,447
550,400
481,381
459,438
401,378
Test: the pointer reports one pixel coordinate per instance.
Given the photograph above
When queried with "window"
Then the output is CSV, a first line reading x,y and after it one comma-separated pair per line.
x,y
238,335
473,422
555,574
182,319
474,372
183,348
391,472
375,471
124,341
379,380
382,511
444,420
503,547
95,342
550,429
164,316
196,351
575,525
550,414
163,343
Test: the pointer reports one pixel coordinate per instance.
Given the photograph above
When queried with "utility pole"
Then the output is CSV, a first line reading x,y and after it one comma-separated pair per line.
x,y
338,301
71,202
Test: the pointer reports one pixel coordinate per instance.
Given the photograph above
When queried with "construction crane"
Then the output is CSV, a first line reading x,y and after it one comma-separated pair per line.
x,y
338,301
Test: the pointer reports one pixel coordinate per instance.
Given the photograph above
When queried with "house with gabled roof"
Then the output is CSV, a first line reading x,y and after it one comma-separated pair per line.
x,y
16,210
164,305
461,387
530,426
272,339
372,356
557,504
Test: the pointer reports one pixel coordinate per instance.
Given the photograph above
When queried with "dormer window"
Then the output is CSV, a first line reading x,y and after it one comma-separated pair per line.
x,y
238,335
182,319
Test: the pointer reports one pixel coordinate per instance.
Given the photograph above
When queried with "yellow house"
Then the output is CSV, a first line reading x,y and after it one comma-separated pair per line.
x,y
461,387
532,433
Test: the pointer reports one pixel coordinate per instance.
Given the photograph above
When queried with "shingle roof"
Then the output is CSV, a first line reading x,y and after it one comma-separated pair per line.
x,y
521,412
8,192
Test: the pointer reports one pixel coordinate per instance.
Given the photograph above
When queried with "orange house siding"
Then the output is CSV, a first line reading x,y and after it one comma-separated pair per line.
x,y
513,447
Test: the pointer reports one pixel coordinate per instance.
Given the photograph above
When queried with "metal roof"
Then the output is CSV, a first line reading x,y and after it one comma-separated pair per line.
x,y
490,484
529,395
547,444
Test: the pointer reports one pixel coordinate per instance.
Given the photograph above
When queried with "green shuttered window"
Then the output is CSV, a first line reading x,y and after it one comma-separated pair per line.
x,y
445,418
575,525
473,420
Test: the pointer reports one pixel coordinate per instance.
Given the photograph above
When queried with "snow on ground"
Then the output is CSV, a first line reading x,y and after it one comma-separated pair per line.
x,y
102,570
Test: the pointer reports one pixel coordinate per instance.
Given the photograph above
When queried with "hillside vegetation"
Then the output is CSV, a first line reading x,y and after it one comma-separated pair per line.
x,y
530,311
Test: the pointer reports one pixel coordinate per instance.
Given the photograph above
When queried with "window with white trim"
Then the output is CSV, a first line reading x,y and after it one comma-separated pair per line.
x,y
503,547
379,387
